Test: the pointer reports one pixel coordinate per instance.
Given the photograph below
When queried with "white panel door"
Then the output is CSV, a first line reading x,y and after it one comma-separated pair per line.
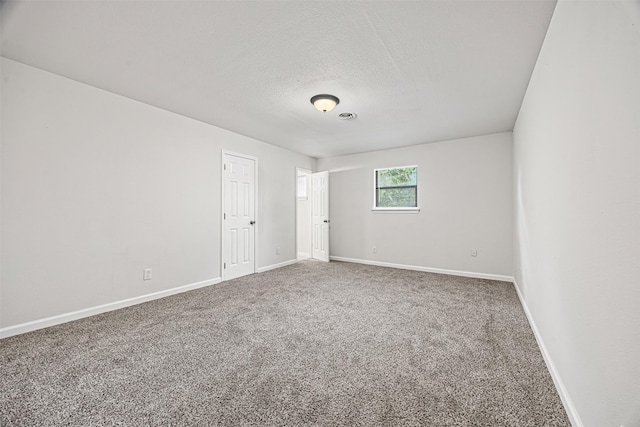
x,y
320,215
238,217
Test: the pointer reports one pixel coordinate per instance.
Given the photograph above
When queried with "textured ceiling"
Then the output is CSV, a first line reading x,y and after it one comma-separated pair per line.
x,y
413,72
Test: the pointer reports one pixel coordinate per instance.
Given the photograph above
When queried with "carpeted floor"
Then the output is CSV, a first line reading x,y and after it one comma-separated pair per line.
x,y
309,344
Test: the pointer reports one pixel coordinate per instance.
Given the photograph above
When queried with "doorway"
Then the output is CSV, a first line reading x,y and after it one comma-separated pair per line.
x,y
239,182
312,215
303,214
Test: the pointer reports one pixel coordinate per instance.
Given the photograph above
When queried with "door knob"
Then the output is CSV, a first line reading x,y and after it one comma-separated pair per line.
x,y
326,220
252,222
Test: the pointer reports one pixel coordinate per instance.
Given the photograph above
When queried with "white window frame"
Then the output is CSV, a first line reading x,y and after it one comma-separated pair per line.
x,y
377,209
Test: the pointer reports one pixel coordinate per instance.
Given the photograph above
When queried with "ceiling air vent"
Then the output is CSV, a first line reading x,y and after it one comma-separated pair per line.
x,y
347,116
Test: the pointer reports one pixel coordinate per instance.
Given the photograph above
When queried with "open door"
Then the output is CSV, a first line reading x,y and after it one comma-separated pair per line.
x,y
320,215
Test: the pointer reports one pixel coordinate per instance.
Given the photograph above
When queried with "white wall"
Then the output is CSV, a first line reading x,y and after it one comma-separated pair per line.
x,y
464,193
577,207
96,187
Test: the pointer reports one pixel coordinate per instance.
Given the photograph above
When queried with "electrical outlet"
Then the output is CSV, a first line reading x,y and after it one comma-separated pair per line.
x,y
374,250
146,275
474,252
278,250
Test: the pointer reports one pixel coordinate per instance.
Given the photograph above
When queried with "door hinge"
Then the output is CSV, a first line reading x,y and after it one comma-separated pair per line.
x,y
225,166
225,265
224,216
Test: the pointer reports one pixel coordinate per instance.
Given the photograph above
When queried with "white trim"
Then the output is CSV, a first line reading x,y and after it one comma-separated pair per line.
x,y
303,255
274,266
427,269
569,407
92,311
396,210
234,153
255,208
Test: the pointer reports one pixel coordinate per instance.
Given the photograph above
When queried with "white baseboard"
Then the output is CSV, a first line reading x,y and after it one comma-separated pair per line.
x,y
22,328
274,266
569,407
427,269
304,255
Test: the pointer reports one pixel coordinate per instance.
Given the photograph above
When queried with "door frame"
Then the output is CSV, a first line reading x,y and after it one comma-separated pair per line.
x,y
307,172
255,209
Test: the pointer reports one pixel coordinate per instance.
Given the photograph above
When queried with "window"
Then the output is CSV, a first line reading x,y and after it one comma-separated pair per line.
x,y
396,188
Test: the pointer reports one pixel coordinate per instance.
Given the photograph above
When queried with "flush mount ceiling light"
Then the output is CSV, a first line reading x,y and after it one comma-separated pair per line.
x,y
325,103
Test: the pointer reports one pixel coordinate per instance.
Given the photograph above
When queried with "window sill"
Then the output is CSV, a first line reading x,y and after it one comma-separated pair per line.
x,y
396,210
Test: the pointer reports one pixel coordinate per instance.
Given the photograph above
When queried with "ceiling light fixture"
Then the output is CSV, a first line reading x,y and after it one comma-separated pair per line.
x,y
325,103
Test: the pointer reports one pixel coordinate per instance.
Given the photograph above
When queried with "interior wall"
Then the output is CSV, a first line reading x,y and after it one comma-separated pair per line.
x,y
97,187
303,213
577,207
464,196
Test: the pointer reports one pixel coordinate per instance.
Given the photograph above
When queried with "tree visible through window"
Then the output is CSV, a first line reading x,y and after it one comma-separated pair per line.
x,y
397,187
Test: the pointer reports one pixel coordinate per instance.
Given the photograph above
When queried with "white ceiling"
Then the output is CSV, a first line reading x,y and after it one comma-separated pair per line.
x,y
413,72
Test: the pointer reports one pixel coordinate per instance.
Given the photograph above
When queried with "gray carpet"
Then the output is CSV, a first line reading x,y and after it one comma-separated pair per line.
x,y
309,344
